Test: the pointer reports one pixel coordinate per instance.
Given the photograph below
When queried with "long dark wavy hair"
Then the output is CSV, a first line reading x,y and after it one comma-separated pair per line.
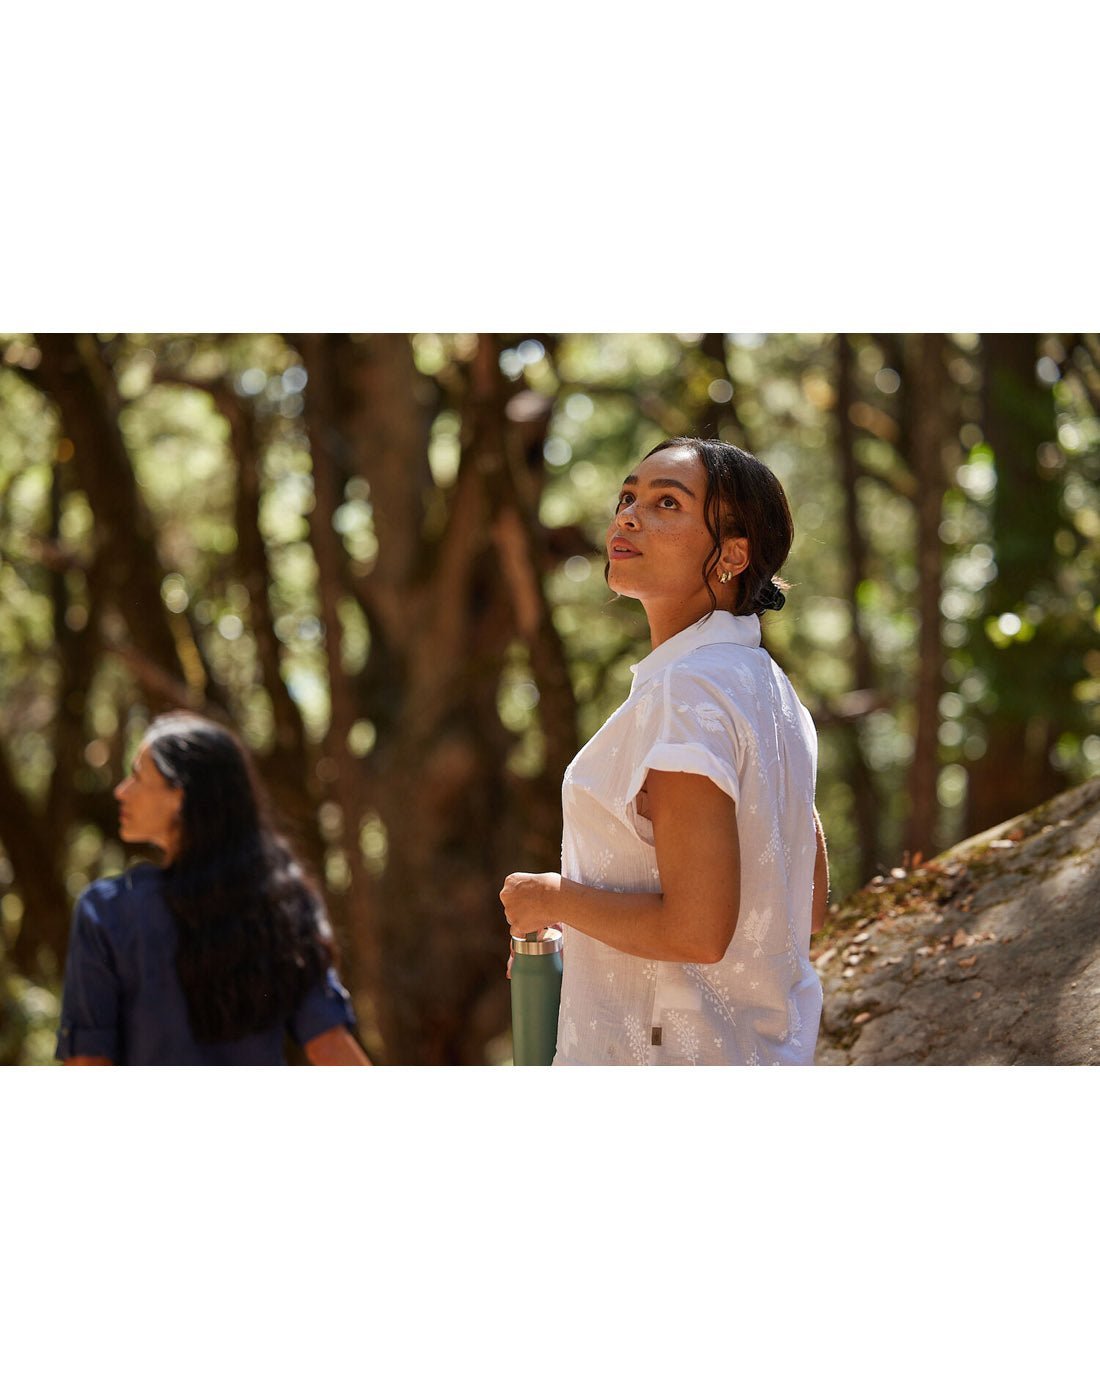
x,y
744,498
253,931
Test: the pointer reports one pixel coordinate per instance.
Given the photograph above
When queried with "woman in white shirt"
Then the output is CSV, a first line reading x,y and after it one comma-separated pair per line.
x,y
693,861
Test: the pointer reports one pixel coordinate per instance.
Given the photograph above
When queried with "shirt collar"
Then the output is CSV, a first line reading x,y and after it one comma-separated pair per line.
x,y
719,627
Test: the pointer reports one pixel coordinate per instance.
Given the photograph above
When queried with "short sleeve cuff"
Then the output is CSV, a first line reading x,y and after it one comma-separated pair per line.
x,y
677,758
73,1040
324,1007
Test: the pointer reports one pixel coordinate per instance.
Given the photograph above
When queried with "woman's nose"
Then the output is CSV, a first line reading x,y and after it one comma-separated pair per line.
x,y
120,788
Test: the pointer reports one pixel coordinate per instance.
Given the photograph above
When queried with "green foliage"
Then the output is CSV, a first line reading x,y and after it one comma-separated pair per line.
x,y
28,1021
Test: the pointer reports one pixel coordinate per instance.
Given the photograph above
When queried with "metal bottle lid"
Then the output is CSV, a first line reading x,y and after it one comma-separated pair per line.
x,y
547,941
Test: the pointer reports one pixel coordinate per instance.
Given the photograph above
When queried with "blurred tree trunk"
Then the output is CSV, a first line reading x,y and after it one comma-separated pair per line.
x,y
450,591
860,778
74,375
288,769
340,774
927,431
35,856
721,420
77,645
1029,681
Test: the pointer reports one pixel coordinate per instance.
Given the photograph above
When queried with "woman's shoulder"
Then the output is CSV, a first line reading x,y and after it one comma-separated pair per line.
x,y
726,673
141,881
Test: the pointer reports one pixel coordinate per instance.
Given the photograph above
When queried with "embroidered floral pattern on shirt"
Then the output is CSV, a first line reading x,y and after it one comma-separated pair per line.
x,y
753,929
769,852
600,866
794,1023
712,991
639,1041
685,1035
710,717
642,708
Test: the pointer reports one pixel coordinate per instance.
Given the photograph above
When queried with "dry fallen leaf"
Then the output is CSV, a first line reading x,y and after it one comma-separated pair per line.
x,y
859,1020
968,962
975,996
960,939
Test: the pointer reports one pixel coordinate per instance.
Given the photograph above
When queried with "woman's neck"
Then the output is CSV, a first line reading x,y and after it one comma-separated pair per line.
x,y
666,620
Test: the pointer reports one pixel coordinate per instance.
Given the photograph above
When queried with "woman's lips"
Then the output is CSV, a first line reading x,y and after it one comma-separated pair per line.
x,y
622,549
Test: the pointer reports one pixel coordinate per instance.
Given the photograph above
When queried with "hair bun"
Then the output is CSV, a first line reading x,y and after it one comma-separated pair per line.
x,y
770,596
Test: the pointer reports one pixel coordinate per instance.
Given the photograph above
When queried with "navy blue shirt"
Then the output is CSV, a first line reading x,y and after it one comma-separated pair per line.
x,y
122,998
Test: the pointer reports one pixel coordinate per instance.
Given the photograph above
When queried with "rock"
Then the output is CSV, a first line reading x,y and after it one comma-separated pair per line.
x,y
1026,896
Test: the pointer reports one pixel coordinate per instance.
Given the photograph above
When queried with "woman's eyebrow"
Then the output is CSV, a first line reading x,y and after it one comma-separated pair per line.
x,y
662,481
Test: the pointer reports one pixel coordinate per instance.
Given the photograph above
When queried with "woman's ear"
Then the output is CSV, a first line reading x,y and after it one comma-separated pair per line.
x,y
735,555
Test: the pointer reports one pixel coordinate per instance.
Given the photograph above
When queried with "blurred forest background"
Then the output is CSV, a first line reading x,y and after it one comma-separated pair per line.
x,y
379,557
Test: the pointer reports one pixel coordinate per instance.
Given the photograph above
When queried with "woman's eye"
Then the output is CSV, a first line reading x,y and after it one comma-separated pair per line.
x,y
669,501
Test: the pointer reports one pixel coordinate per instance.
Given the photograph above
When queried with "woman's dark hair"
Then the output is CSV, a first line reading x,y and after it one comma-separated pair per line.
x,y
744,498
253,932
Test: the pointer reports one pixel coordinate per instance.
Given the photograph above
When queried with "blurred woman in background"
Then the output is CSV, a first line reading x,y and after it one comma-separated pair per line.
x,y
213,957
693,862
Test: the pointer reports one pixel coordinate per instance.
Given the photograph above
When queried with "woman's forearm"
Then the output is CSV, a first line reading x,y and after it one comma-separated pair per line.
x,y
640,924
676,928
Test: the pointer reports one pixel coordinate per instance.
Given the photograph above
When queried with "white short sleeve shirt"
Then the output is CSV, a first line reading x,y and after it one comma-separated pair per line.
x,y
710,700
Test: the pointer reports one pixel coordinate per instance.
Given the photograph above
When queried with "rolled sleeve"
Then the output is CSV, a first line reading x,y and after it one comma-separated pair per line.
x,y
697,728
678,758
91,999
325,1006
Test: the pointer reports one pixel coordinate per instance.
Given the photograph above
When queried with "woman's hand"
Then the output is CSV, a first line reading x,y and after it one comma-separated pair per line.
x,y
529,901
335,1047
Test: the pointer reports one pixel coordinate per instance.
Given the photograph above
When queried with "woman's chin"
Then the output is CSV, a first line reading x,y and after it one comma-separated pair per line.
x,y
620,585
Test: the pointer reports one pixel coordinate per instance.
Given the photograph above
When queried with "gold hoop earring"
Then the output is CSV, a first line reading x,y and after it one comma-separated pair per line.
x,y
724,577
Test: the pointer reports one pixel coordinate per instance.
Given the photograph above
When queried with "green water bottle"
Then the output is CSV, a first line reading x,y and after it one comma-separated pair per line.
x,y
536,994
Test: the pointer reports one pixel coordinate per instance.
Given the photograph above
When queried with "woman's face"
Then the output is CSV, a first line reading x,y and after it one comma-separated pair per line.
x,y
658,541
148,805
